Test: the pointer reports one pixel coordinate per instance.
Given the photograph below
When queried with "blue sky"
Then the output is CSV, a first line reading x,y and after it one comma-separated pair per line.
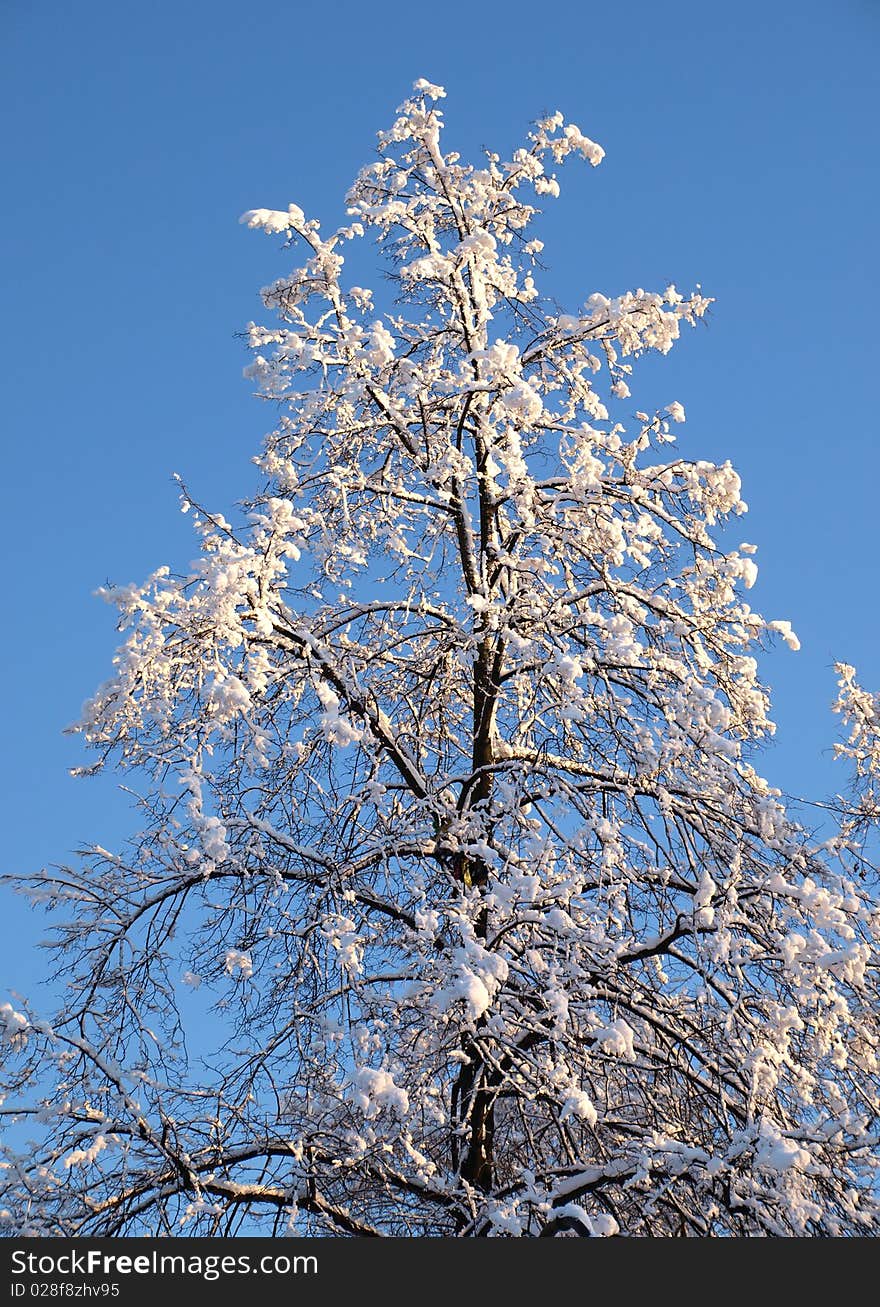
x,y
741,154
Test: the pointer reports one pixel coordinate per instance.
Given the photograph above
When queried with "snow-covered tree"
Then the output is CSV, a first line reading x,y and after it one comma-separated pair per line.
x,y
458,905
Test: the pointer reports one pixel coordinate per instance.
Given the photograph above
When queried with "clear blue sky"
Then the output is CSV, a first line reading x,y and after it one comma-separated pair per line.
x,y
741,144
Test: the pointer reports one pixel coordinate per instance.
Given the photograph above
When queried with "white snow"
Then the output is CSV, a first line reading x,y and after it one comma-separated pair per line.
x,y
13,1025
238,962
788,635
375,1090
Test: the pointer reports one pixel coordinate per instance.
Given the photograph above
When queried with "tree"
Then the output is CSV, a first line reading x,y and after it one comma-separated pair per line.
x,y
448,798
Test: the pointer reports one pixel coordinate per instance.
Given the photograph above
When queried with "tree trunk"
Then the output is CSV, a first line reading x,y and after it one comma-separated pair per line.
x,y
473,1094
473,1098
